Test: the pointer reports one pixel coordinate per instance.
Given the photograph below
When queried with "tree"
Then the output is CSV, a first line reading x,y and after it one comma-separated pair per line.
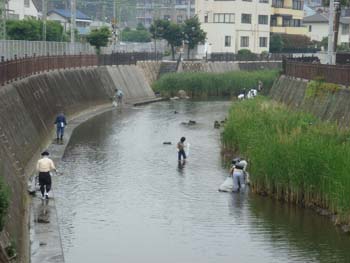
x,y
99,38
30,29
276,43
139,35
193,34
174,35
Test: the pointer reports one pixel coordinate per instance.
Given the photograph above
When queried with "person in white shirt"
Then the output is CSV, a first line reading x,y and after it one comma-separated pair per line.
x,y
44,166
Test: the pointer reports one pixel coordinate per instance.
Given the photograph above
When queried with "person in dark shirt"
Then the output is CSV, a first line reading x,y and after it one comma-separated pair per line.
x,y
60,125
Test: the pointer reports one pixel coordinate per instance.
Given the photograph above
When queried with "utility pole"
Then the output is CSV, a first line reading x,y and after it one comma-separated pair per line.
x,y
3,9
72,24
44,15
114,26
330,33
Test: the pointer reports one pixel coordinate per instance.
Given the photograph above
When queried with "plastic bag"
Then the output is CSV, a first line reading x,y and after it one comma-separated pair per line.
x,y
227,185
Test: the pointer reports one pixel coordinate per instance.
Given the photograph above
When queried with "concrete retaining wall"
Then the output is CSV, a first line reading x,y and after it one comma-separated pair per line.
x,y
27,111
329,106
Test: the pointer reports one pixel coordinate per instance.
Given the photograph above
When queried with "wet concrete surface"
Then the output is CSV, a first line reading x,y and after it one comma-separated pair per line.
x,y
122,197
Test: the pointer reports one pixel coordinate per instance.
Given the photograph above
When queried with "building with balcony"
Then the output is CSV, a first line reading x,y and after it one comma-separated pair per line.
x,y
174,10
287,17
232,25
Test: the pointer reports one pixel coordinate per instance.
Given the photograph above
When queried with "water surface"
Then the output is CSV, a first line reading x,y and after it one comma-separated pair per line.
x,y
123,198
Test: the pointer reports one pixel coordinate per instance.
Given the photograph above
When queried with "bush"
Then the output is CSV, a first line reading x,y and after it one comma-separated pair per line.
x,y
293,155
4,203
202,84
246,54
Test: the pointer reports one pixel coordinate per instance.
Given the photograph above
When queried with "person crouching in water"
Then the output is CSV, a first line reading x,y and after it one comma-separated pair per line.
x,y
237,172
44,166
181,149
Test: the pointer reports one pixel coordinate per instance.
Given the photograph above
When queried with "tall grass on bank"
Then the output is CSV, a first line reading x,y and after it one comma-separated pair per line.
x,y
203,84
4,202
293,155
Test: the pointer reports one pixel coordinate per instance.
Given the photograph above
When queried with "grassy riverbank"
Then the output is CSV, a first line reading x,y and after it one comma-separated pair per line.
x,y
203,84
293,155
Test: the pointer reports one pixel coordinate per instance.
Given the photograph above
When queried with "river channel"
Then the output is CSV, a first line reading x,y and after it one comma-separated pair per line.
x,y
123,198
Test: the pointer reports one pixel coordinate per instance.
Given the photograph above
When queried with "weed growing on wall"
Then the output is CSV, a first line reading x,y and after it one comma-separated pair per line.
x,y
320,89
293,155
202,84
4,202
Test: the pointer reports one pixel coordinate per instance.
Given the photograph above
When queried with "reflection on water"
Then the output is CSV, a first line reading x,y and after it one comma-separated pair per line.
x,y
124,197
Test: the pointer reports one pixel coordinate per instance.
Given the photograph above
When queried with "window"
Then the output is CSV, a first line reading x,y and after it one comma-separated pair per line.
x,y
246,19
273,21
344,29
206,19
310,28
277,3
263,20
247,0
296,22
26,3
227,41
244,41
263,42
179,19
264,1
224,18
286,22
166,17
298,5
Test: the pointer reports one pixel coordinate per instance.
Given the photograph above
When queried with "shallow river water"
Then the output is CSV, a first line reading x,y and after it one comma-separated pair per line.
x,y
123,198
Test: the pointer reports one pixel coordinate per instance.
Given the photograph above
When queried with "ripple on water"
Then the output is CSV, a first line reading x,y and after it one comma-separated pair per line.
x,y
123,198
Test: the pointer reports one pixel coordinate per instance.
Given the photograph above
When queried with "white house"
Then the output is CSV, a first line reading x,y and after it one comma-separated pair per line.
x,y
317,26
20,9
234,25
63,16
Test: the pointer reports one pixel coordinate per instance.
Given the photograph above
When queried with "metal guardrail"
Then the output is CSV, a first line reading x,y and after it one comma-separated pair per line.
x,y
338,74
18,68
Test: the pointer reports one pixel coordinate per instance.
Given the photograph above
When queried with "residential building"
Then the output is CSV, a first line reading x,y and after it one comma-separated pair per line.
x,y
287,17
20,9
317,27
63,16
174,10
232,25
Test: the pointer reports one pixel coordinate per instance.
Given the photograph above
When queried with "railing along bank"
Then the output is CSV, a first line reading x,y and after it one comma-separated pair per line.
x,y
338,74
15,69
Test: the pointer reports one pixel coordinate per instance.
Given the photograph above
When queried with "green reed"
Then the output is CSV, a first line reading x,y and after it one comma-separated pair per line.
x,y
203,84
293,155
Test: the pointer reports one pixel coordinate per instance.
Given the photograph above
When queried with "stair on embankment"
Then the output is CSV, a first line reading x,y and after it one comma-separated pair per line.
x,y
167,67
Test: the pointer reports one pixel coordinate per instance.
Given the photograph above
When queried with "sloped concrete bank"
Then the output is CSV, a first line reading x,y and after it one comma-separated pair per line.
x,y
27,111
329,107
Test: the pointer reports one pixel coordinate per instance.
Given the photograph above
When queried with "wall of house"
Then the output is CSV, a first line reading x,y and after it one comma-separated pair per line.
x,y
17,7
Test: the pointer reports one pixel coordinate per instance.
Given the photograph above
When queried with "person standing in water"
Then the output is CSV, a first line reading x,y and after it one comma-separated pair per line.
x,y
44,166
60,124
181,149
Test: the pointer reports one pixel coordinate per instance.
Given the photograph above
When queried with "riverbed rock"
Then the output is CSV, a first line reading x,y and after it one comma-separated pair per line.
x,y
216,125
167,143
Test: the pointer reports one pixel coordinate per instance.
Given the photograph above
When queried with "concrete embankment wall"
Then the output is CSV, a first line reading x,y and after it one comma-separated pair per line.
x,y
27,111
328,106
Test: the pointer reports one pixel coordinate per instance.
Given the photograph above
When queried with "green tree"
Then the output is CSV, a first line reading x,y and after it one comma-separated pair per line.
x,y
32,30
139,35
140,27
173,34
276,43
99,38
193,34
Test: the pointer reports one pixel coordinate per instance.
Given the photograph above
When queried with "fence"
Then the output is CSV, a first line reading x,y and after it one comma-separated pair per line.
x,y
23,67
339,74
135,47
11,48
226,56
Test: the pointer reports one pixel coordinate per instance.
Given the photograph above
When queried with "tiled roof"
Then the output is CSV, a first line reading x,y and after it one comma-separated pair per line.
x,y
66,14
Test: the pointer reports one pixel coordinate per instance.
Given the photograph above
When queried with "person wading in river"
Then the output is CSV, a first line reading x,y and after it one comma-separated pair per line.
x,y
181,151
44,166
